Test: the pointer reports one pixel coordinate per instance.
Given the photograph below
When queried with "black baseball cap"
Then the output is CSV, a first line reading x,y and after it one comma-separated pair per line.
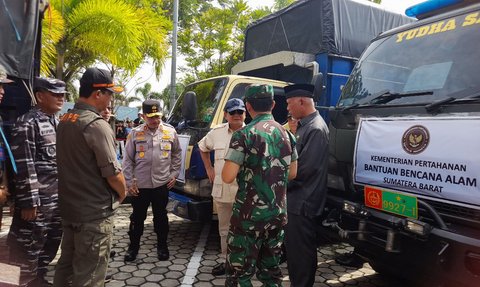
x,y
55,86
95,78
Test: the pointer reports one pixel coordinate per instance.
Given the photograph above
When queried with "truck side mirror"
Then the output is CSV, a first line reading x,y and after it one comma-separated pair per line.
x,y
317,82
189,107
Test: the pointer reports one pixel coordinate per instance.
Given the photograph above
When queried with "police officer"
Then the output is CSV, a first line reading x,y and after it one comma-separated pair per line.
x,y
91,184
308,191
3,174
36,231
223,194
151,165
262,157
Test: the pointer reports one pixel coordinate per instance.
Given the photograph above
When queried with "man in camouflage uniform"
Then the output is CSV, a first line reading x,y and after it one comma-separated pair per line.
x,y
3,175
263,156
36,231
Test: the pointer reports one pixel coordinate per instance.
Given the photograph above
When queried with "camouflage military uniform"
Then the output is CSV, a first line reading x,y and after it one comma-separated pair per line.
x,y
34,244
264,151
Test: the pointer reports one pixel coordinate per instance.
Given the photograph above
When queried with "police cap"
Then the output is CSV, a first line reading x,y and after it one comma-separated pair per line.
x,y
151,108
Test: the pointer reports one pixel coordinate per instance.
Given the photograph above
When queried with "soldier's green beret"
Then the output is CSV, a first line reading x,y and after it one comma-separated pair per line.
x,y
259,92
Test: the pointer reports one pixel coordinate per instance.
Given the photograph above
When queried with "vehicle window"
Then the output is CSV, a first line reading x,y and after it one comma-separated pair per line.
x,y
279,111
441,57
208,95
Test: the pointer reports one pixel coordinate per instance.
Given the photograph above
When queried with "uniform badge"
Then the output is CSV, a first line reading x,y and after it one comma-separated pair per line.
x,y
141,154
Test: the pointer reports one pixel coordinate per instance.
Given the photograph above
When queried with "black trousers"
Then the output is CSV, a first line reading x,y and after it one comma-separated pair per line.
x,y
301,235
158,197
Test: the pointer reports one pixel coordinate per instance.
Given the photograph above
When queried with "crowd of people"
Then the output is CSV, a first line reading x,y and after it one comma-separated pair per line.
x,y
269,183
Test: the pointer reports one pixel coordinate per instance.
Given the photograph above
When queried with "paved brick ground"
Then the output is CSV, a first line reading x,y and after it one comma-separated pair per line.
x,y
194,251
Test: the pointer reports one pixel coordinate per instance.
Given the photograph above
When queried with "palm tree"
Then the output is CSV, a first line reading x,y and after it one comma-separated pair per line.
x,y
109,31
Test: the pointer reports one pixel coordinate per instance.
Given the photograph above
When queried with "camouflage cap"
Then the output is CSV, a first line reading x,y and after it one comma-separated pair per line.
x,y
3,77
259,92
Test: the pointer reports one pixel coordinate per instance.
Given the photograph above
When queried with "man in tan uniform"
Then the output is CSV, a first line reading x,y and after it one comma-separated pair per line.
x,y
151,165
218,140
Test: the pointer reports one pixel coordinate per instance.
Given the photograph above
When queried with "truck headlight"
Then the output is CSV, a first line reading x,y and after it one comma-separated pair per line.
x,y
351,207
417,227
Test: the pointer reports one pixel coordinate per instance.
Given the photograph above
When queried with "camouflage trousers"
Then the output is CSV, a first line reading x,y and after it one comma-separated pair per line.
x,y
251,250
34,244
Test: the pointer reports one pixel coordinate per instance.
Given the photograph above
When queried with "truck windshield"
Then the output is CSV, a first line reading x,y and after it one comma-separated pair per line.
x,y
418,66
208,94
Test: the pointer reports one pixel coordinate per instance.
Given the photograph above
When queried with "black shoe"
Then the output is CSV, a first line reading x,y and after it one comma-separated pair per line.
x,y
218,269
349,259
131,255
38,282
108,278
112,253
163,254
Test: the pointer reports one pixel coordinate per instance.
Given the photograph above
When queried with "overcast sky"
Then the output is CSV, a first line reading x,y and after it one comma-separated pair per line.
x,y
147,75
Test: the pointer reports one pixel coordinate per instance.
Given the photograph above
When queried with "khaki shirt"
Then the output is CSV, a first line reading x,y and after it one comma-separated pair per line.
x,y
218,140
152,158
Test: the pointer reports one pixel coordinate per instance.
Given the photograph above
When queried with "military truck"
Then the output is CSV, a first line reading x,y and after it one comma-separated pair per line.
x,y
404,172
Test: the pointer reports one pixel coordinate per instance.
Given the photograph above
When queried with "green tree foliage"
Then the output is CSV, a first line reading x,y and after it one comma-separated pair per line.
x,y
280,4
119,33
212,42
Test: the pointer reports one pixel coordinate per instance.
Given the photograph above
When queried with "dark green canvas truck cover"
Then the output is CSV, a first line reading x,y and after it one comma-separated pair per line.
x,y
341,27
18,26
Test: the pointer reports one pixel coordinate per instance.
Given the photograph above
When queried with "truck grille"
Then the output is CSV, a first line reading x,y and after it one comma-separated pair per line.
x,y
453,213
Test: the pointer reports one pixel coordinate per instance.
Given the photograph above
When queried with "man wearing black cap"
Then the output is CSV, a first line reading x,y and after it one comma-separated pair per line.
x,y
36,231
3,174
223,194
307,192
151,165
91,184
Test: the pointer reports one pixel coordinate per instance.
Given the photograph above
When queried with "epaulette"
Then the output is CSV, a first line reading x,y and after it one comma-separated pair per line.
x,y
219,126
167,125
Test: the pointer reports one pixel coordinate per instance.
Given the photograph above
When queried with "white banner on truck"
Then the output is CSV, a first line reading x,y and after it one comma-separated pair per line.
x,y
434,158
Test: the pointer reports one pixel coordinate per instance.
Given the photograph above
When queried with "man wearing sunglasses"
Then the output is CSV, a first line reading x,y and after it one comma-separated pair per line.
x,y
223,194
36,230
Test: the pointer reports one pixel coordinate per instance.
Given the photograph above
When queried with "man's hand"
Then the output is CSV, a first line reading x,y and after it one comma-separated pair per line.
x,y
29,214
3,194
133,190
171,183
211,173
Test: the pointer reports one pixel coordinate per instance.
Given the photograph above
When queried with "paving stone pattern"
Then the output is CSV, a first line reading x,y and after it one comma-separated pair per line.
x,y
190,263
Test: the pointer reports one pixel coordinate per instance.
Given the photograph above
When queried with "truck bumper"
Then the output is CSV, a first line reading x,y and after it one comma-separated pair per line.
x,y
395,245
190,208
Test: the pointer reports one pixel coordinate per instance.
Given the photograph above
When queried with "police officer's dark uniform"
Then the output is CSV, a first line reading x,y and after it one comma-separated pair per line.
x,y
3,151
152,159
34,243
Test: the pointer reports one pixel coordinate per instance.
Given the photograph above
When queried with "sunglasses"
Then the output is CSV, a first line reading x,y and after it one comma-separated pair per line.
x,y
236,112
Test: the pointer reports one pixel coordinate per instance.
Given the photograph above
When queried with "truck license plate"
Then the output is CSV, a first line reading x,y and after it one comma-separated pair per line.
x,y
390,201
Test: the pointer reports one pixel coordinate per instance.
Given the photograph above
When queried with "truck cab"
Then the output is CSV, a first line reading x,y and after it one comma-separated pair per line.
x,y
403,173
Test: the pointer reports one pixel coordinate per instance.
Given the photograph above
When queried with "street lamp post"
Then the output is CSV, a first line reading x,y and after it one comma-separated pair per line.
x,y
173,83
